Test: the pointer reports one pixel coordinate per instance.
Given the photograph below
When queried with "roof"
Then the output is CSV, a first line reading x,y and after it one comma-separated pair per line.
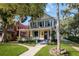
x,y
23,26
44,17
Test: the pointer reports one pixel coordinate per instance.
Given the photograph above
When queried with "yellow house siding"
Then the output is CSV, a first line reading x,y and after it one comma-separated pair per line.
x,y
31,33
41,34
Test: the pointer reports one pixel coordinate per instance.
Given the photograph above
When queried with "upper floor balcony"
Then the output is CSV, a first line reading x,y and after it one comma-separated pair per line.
x,y
43,23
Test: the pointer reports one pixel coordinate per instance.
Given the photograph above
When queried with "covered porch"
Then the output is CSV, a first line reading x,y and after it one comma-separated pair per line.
x,y
41,34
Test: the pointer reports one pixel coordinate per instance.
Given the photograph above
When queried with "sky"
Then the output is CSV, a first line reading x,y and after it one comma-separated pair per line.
x,y
49,10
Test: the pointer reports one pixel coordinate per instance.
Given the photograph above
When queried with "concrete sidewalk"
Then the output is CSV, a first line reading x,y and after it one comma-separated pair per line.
x,y
76,48
32,50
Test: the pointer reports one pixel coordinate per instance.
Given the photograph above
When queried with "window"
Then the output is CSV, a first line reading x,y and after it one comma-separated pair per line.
x,y
41,24
35,33
34,25
48,23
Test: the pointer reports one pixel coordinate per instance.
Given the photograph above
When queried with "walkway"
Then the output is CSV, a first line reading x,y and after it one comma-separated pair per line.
x,y
76,48
32,50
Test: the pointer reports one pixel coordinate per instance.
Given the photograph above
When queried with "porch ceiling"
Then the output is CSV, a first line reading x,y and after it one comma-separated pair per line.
x,y
47,28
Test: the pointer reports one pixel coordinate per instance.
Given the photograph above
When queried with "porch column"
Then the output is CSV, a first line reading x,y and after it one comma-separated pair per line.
x,y
52,23
37,37
19,34
44,23
50,35
39,33
37,24
29,33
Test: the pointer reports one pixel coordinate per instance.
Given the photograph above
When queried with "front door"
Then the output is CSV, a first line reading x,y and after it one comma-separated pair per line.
x,y
45,35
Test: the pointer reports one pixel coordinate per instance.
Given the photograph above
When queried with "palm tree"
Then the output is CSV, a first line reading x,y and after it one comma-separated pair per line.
x,y
57,30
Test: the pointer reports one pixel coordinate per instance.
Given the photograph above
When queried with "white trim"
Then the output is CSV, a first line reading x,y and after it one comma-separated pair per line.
x,y
41,38
38,38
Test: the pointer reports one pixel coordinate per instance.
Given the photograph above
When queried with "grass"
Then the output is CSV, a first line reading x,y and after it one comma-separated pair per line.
x,y
8,49
71,51
29,44
45,50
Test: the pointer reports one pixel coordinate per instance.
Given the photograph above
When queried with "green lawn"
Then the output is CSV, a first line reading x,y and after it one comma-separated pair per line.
x,y
9,49
45,50
31,44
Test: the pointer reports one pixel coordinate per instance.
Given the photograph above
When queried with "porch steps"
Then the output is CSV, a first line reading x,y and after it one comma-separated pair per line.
x,y
43,42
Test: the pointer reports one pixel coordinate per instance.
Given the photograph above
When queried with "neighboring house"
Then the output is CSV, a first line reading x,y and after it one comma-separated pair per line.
x,y
23,26
23,30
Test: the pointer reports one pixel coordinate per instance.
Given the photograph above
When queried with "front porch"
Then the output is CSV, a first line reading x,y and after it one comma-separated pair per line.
x,y
41,35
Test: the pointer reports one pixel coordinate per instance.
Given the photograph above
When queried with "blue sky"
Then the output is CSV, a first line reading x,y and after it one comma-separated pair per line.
x,y
50,10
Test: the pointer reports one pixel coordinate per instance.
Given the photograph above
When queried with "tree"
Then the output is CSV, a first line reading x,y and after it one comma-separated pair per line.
x,y
57,30
66,26
7,11
6,16
75,23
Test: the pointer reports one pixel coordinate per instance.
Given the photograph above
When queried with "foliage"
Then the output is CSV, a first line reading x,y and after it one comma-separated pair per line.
x,y
34,10
53,35
65,25
28,41
73,38
70,25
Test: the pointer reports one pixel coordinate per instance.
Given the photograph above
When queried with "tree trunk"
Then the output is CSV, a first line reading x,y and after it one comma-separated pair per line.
x,y
19,29
4,33
2,37
58,31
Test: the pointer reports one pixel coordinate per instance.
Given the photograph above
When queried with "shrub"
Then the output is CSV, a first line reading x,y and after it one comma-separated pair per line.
x,y
53,35
73,38
29,41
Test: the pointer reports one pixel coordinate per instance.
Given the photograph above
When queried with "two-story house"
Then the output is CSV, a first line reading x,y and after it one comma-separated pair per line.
x,y
41,28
